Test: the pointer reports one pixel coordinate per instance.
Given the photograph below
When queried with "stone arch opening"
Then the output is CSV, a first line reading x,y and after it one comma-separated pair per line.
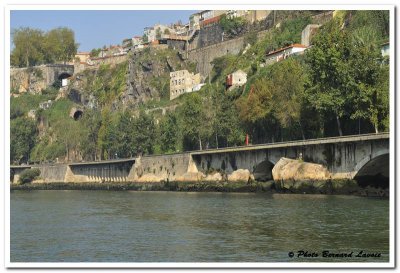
x,y
263,171
64,75
78,114
374,172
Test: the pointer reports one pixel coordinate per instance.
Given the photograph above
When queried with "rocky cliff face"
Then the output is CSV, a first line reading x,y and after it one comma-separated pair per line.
x,y
144,77
148,74
27,80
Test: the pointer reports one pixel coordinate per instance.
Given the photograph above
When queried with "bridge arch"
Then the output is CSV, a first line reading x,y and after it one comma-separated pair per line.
x,y
64,75
263,170
373,170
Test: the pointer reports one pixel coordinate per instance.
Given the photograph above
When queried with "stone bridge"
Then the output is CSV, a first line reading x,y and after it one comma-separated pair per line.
x,y
34,79
364,158
360,157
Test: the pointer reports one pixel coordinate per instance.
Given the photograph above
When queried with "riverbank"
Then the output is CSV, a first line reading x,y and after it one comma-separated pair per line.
x,y
347,187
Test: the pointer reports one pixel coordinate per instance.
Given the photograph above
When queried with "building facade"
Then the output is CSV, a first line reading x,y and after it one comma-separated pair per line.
x,y
82,56
183,81
283,53
236,79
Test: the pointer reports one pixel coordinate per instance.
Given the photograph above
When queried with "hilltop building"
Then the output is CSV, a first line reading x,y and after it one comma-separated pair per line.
x,y
183,81
82,56
155,32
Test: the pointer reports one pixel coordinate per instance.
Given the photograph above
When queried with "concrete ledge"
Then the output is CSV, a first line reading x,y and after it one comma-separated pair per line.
x,y
354,138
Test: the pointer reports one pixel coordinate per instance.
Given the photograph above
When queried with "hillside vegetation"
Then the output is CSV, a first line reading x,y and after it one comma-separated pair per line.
x,y
340,86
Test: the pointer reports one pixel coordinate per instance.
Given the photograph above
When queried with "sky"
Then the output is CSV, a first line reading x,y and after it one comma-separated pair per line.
x,y
96,28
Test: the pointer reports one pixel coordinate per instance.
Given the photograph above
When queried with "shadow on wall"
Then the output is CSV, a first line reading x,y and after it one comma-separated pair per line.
x,y
263,171
374,173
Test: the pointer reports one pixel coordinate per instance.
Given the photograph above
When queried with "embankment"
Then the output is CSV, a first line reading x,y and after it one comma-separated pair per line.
x,y
342,187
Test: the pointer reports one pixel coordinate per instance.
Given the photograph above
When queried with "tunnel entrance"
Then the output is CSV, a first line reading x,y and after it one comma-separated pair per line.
x,y
263,171
78,114
374,173
64,75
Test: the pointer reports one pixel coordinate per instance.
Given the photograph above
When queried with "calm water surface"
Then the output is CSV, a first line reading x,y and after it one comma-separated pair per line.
x,y
106,226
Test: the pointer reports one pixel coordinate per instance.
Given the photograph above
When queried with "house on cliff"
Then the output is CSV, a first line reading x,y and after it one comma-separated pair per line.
x,y
183,81
283,53
236,79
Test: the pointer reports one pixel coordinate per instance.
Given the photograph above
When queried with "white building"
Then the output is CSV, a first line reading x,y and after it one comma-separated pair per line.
x,y
183,81
283,53
236,79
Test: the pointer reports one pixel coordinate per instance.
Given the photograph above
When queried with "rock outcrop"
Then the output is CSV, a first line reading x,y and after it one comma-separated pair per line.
x,y
240,175
213,177
148,74
290,169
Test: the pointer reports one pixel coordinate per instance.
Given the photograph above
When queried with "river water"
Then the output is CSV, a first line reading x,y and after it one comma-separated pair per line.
x,y
129,226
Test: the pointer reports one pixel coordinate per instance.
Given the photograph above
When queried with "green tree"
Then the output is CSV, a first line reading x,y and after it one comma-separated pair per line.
x,y
368,94
70,135
169,133
95,52
288,94
256,111
124,145
23,135
225,122
91,122
232,25
106,134
346,75
60,45
28,47
192,122
142,133
330,77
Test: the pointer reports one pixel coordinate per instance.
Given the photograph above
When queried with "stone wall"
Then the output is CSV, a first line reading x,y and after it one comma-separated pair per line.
x,y
15,173
105,172
161,168
52,173
343,160
112,60
204,56
34,79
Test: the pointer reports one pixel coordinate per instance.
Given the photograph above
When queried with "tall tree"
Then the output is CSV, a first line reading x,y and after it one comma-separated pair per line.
x,y
169,133
142,133
192,120
60,45
124,145
288,93
91,121
28,47
23,135
330,77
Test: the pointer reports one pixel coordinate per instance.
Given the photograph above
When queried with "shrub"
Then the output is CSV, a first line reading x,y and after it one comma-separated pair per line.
x,y
28,175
